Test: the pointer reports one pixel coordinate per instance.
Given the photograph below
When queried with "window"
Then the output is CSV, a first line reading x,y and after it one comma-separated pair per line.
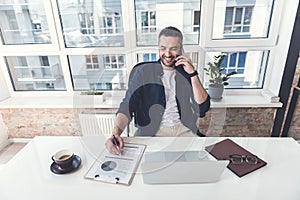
x,y
145,57
151,16
249,65
243,30
114,62
111,24
92,62
196,24
24,22
91,23
238,20
36,73
73,45
234,62
98,72
148,20
86,23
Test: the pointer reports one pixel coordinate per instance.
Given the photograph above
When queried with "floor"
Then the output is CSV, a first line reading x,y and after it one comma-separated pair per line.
x,y
10,150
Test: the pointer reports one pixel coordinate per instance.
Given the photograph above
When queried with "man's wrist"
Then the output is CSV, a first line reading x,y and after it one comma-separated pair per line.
x,y
195,73
116,131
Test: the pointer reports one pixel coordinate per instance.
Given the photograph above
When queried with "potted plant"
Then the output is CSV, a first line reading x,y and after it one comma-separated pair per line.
x,y
92,92
217,79
91,95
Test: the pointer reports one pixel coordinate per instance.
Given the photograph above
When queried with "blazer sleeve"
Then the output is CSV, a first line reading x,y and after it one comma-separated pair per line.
x,y
204,107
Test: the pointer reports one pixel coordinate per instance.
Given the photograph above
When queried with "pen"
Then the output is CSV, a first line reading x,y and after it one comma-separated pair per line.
x,y
116,144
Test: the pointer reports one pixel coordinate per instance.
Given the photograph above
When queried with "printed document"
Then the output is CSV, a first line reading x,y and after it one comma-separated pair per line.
x,y
117,168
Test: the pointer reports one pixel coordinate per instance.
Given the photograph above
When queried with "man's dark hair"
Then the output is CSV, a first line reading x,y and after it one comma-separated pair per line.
x,y
171,31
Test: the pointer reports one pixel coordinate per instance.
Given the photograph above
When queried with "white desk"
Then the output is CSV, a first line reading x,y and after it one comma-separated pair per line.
x,y
28,175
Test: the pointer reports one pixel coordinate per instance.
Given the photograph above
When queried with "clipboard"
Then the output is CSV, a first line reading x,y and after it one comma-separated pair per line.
x,y
117,169
222,150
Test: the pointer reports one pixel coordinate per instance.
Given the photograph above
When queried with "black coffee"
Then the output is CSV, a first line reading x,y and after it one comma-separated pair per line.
x,y
64,157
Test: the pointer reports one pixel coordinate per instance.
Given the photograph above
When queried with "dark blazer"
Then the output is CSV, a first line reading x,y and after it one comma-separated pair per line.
x,y
145,99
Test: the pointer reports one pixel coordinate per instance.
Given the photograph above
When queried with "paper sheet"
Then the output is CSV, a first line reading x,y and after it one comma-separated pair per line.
x,y
117,168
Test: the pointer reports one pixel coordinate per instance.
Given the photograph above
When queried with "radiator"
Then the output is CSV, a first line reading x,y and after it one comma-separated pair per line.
x,y
101,124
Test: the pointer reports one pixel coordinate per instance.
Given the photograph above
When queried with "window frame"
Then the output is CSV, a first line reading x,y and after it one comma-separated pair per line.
x,y
206,43
209,42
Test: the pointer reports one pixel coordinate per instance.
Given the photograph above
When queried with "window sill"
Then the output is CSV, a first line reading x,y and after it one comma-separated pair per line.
x,y
245,101
230,100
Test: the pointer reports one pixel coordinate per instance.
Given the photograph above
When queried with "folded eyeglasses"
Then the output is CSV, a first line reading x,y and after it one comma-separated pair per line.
x,y
239,159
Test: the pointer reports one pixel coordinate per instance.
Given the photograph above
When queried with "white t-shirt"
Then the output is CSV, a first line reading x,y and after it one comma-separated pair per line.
x,y
171,115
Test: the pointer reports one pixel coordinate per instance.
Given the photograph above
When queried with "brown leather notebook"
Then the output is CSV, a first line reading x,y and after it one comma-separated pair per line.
x,y
222,150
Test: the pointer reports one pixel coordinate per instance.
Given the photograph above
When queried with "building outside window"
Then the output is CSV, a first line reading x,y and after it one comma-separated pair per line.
x,y
152,16
234,62
238,19
233,18
36,73
111,24
92,62
24,22
114,62
146,57
91,23
196,18
148,19
86,23
98,72
249,65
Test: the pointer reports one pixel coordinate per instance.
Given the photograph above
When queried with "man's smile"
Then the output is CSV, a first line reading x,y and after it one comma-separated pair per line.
x,y
168,60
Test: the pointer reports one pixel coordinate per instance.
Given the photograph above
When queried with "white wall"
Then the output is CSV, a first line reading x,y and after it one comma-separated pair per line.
x,y
3,134
4,92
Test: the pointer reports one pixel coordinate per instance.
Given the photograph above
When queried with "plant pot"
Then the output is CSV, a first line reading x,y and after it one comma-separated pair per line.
x,y
215,92
91,98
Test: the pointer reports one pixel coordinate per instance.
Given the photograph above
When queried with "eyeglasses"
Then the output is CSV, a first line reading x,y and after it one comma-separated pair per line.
x,y
239,159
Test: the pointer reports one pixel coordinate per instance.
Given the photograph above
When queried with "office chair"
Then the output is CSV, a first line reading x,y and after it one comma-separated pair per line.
x,y
132,72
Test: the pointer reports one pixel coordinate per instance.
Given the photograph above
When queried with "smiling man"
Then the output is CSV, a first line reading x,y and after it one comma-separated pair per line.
x,y
165,97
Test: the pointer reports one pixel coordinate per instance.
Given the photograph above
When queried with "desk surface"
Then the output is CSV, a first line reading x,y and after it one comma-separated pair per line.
x,y
28,175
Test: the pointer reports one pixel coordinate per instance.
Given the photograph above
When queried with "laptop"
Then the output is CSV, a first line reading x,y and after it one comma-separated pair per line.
x,y
181,167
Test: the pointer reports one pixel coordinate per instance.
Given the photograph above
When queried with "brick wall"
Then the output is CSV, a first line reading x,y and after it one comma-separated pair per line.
x,y
238,122
294,130
28,122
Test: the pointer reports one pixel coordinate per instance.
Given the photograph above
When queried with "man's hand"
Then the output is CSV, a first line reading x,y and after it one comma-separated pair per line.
x,y
186,63
112,147
200,94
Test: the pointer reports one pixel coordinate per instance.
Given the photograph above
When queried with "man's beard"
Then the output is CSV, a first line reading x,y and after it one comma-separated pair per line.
x,y
171,65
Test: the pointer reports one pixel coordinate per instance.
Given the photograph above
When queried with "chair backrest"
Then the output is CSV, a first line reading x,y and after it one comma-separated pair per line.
x,y
130,127
132,72
134,69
